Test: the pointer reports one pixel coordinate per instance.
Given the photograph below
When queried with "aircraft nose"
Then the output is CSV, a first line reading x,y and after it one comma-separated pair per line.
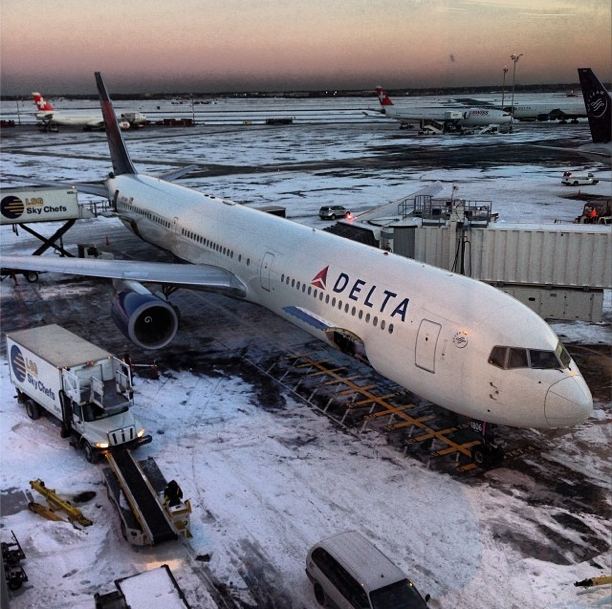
x,y
568,402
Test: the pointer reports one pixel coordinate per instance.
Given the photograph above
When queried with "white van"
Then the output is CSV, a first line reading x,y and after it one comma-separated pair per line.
x,y
349,572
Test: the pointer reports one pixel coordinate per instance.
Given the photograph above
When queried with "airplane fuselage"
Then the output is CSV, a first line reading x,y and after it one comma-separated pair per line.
x,y
427,329
465,117
548,111
53,117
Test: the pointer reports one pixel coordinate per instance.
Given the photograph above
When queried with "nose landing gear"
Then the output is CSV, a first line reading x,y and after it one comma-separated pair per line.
x,y
488,453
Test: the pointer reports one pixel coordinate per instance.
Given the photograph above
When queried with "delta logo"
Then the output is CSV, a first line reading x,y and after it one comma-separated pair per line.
x,y
12,207
364,293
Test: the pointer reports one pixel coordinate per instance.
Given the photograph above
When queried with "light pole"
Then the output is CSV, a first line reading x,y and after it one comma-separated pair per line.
x,y
504,86
515,59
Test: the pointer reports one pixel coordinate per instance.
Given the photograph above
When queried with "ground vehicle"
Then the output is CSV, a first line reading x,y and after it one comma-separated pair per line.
x,y
578,179
83,386
156,587
348,571
151,509
596,212
331,212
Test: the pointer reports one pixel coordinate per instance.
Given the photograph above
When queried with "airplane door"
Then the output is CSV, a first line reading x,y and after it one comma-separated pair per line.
x,y
427,340
266,267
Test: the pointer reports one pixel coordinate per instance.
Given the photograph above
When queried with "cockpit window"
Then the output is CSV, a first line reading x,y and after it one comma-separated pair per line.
x,y
498,357
543,359
563,355
518,358
514,357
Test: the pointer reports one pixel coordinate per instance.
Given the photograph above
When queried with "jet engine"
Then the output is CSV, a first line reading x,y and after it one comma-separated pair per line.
x,y
147,319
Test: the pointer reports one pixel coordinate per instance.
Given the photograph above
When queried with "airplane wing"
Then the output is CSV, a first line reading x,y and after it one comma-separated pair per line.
x,y
600,156
190,276
175,174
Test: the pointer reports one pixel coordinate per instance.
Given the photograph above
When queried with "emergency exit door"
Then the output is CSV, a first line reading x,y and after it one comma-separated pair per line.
x,y
427,341
266,267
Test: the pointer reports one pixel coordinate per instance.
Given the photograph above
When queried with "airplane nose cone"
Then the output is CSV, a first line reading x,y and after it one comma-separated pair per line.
x,y
568,402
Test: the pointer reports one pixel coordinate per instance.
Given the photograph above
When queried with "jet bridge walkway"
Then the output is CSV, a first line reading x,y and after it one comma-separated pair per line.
x,y
146,510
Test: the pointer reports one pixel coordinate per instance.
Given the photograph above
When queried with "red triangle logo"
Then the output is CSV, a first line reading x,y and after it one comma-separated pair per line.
x,y
320,279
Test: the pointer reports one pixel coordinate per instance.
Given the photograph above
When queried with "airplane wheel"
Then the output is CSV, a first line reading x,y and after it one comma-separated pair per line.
x,y
33,409
487,456
31,276
479,455
320,595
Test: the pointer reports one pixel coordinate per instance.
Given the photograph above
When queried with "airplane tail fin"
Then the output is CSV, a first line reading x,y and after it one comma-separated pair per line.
x,y
122,163
383,98
598,105
42,104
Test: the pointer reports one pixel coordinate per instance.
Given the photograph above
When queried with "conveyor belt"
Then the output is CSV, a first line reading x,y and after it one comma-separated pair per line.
x,y
142,498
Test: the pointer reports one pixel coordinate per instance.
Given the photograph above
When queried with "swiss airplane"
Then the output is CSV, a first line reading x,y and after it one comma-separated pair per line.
x,y
49,117
454,341
451,118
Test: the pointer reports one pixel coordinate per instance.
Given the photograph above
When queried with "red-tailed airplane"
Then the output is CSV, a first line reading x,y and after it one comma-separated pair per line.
x,y
51,118
452,340
451,119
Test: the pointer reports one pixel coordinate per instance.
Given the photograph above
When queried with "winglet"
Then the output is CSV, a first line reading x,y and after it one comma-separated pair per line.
x,y
598,106
122,163
383,98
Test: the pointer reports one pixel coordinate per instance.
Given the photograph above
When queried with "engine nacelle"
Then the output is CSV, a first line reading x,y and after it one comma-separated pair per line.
x,y
144,318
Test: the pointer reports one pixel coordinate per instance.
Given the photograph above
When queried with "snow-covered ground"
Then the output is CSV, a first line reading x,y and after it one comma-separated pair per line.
x,y
267,480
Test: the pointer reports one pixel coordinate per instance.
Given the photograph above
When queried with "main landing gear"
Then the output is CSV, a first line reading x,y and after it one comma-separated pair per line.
x,y
488,453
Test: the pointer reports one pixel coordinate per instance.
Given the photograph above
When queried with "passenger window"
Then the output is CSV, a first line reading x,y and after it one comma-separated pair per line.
x,y
498,357
543,359
518,358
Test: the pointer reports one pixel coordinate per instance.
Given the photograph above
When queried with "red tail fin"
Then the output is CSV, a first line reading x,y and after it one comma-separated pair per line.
x,y
41,103
383,98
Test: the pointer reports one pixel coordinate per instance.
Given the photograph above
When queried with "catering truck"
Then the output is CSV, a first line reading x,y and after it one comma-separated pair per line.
x,y
87,389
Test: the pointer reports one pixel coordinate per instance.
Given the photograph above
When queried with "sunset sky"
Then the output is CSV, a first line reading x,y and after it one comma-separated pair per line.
x,y
236,45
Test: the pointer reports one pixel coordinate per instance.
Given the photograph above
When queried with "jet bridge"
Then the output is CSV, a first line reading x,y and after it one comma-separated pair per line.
x,y
558,270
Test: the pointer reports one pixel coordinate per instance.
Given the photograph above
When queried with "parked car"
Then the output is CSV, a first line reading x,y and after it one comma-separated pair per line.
x,y
331,212
348,571
578,179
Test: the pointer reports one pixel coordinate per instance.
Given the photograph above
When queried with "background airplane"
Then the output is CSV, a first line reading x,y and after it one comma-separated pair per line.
x,y
436,333
450,119
598,108
546,111
49,117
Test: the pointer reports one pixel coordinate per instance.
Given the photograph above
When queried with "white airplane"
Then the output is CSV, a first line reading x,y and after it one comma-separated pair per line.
x,y
451,119
49,117
547,111
452,340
